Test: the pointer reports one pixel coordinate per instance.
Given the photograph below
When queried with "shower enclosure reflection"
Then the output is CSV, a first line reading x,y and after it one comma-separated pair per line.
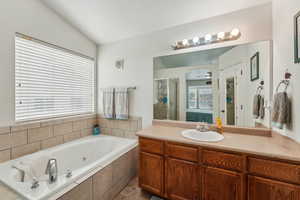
x,y
165,99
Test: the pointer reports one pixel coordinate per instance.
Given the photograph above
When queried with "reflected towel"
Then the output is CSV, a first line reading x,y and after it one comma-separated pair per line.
x,y
262,107
121,103
108,103
281,111
256,105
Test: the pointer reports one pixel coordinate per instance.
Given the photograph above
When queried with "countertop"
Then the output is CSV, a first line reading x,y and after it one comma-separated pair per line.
x,y
277,146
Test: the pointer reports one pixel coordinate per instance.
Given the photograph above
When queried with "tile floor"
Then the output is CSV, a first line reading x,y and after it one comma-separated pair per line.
x,y
133,192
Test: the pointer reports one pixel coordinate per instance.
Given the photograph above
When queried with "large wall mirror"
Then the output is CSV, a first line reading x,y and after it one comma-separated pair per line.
x,y
233,83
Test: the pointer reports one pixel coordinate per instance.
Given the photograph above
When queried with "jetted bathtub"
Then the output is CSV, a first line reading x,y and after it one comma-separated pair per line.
x,y
83,158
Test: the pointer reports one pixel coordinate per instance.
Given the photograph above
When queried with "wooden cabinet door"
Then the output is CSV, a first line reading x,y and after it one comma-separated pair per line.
x,y
151,173
219,184
265,189
181,180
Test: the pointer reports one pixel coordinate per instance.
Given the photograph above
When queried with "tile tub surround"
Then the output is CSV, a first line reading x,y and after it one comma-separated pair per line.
x,y
120,128
26,138
102,185
108,182
274,147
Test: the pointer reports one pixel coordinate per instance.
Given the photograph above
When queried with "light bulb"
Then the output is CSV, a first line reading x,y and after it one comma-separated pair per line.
x,y
208,37
221,35
178,43
185,42
195,40
235,32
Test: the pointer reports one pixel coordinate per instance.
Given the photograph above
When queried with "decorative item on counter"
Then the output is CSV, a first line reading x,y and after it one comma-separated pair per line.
x,y
96,130
219,125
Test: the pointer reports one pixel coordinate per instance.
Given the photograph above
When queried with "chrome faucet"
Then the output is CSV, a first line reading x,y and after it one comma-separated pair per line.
x,y
22,173
202,127
51,169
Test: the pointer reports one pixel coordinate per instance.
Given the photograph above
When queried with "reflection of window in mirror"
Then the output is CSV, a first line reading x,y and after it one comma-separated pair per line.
x,y
192,98
199,96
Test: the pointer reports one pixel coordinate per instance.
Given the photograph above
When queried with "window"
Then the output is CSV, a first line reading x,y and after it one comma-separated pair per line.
x,y
51,81
200,97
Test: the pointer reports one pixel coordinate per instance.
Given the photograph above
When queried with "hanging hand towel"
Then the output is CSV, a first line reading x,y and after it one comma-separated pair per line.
x,y
121,103
281,111
262,107
108,103
256,105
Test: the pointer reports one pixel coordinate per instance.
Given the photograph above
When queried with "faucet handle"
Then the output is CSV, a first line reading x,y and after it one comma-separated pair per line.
x,y
69,173
35,183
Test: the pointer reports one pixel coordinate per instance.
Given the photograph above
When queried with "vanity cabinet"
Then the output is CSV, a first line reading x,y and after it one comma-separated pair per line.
x,y
181,179
220,184
188,172
151,175
266,189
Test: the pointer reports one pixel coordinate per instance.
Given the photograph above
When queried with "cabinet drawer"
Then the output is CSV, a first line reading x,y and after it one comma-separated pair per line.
x,y
223,160
275,169
151,146
182,152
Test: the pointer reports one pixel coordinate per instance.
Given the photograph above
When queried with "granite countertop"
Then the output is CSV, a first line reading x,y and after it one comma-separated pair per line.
x,y
8,194
277,146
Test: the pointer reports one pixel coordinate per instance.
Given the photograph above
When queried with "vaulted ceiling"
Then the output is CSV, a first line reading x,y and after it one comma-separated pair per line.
x,y
106,21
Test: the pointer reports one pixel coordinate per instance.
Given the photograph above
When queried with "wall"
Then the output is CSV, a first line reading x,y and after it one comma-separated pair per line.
x,y
120,128
22,139
139,52
32,18
283,34
241,55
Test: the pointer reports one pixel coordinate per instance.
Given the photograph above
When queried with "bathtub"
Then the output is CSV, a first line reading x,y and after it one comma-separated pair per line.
x,y
83,157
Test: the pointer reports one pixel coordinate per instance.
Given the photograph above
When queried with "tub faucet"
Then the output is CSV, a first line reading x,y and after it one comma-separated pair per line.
x,y
51,169
22,172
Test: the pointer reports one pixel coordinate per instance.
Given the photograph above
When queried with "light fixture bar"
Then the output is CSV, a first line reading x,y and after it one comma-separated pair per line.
x,y
208,39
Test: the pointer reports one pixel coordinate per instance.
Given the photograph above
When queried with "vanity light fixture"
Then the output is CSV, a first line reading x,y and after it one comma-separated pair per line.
x,y
234,34
185,42
196,40
208,37
221,36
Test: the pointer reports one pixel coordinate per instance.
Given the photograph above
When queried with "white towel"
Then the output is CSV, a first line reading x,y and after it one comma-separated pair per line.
x,y
121,103
108,103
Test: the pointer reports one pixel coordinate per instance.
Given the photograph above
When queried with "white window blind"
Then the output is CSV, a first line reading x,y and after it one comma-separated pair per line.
x,y
51,81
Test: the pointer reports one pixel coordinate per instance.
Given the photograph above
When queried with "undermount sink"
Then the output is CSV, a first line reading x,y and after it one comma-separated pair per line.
x,y
207,136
